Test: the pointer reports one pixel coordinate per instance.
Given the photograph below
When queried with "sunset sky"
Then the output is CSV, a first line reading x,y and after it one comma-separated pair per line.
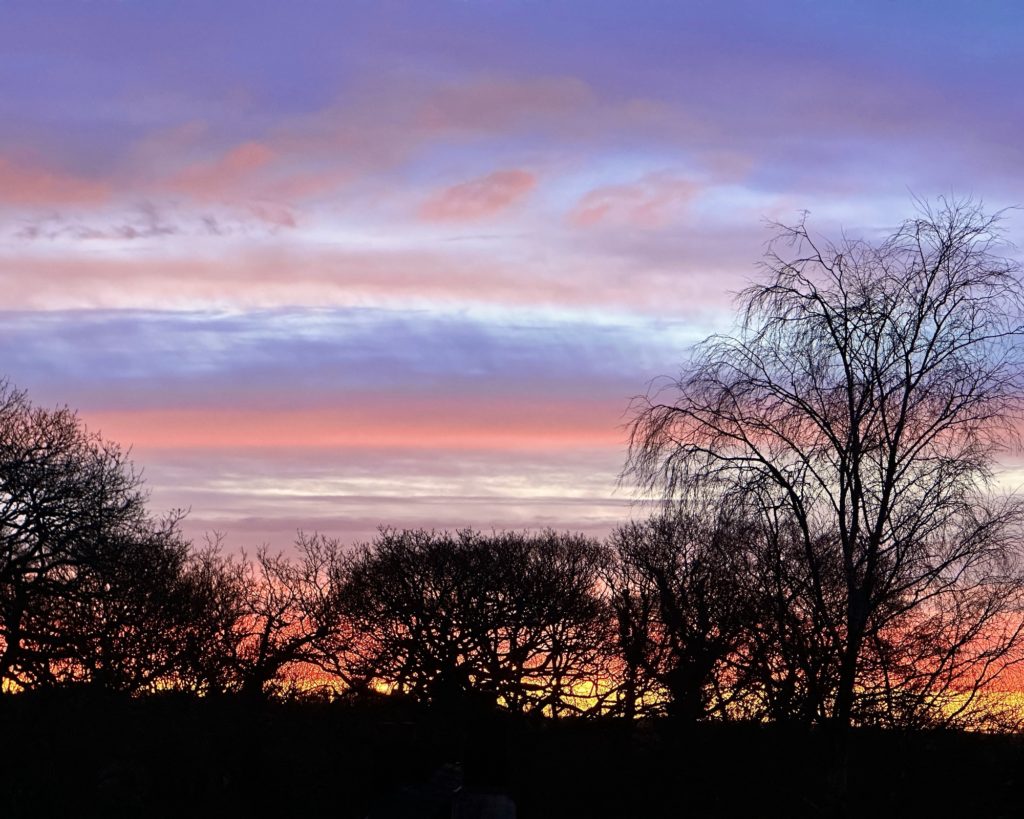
x,y
326,265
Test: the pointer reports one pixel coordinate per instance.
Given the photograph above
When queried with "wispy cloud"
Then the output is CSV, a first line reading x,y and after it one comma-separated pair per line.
x,y
22,184
479,198
224,175
650,202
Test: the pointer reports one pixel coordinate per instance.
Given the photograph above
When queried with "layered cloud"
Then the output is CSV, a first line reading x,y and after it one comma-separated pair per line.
x,y
151,259
226,174
320,359
325,418
409,265
254,495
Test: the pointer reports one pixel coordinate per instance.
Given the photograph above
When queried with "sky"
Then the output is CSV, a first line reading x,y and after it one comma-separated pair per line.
x,y
332,265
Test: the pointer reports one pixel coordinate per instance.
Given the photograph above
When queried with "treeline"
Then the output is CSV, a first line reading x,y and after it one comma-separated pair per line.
x,y
696,612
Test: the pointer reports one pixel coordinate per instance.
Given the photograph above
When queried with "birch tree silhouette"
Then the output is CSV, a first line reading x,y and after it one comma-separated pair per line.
x,y
864,400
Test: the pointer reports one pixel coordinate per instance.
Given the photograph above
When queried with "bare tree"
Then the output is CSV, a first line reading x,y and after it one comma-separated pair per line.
x,y
414,596
864,400
509,618
264,624
785,663
92,589
543,645
80,559
677,589
638,644
949,636
211,605
117,625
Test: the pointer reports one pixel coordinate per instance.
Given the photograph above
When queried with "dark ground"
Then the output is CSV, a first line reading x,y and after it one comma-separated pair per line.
x,y
81,753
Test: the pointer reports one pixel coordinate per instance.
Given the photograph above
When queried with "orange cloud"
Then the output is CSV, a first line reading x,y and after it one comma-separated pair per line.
x,y
20,185
649,202
479,198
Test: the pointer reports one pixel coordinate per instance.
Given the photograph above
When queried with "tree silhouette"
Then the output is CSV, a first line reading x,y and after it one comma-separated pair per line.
x,y
84,571
861,405
117,624
259,625
290,613
509,618
676,584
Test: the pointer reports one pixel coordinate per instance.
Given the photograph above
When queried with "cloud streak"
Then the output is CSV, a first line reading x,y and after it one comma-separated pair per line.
x,y
339,420
314,359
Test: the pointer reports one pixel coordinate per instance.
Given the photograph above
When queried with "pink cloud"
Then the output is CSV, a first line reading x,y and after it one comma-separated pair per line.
x,y
650,202
455,423
729,165
23,185
685,269
305,184
479,198
262,178
378,128
225,175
